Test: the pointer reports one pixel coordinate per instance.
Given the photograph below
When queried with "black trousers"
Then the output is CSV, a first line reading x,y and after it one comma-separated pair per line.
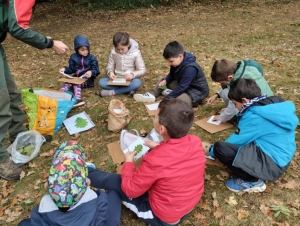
x,y
225,153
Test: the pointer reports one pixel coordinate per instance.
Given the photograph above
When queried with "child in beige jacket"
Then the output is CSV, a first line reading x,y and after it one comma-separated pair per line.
x,y
125,60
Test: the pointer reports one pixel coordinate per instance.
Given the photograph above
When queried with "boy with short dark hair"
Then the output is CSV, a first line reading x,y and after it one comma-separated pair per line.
x,y
170,180
185,81
70,201
264,144
225,71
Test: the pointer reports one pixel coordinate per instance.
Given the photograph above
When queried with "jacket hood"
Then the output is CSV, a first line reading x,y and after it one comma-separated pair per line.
x,y
282,114
187,59
248,69
133,45
79,41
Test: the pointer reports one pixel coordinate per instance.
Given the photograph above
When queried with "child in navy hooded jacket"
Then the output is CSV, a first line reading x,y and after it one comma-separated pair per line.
x,y
81,63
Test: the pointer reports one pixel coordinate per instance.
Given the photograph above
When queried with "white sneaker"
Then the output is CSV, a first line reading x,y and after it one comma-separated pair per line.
x,y
147,97
166,92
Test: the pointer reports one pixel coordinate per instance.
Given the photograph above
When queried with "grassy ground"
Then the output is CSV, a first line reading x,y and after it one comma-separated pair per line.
x,y
267,31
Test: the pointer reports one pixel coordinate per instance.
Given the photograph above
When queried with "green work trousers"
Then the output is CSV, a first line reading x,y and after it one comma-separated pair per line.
x,y
11,115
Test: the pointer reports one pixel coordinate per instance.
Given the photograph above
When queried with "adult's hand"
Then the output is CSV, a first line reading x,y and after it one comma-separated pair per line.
x,y
59,47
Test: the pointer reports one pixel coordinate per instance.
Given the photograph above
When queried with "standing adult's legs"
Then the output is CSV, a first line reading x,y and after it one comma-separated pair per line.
x,y
11,117
18,116
226,153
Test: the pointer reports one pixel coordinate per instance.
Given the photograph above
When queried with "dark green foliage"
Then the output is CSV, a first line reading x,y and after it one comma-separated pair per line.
x,y
125,4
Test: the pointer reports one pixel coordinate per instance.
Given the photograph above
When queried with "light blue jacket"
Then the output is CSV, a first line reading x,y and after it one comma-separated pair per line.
x,y
270,124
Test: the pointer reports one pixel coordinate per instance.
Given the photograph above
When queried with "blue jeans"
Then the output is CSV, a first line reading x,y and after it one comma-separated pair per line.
x,y
134,84
139,205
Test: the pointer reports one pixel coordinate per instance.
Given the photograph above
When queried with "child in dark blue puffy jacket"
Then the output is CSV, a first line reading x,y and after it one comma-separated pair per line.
x,y
81,63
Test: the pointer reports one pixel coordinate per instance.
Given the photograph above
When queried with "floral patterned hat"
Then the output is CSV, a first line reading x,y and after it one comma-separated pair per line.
x,y
67,180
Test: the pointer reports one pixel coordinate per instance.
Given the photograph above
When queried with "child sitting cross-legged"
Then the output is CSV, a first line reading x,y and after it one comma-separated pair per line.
x,y
70,201
125,60
170,180
186,80
264,144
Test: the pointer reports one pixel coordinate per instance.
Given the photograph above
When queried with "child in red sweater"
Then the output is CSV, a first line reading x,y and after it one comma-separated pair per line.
x,y
170,180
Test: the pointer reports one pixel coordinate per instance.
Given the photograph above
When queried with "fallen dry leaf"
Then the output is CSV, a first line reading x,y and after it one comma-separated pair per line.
x,y
30,172
219,213
224,173
32,165
55,142
265,210
216,203
290,185
214,194
22,175
47,154
242,214
205,206
14,202
231,201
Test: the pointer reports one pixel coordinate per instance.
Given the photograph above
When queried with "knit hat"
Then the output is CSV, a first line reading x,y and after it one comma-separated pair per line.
x,y
67,180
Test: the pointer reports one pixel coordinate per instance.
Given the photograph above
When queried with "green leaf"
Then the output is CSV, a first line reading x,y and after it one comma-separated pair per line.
x,y
138,148
162,87
275,208
81,122
277,214
28,201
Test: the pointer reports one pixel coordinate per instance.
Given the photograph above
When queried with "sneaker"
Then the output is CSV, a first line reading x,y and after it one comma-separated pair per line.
x,y
78,103
147,97
9,170
238,184
90,165
106,93
166,92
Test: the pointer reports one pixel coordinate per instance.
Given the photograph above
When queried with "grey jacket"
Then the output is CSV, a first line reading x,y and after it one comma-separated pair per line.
x,y
130,62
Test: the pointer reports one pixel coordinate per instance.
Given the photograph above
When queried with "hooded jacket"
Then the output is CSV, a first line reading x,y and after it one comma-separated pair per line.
x,y
250,69
79,65
268,124
190,79
91,210
15,18
130,62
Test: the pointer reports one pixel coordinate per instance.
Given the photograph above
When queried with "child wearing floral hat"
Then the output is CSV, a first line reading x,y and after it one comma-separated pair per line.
x,y
70,200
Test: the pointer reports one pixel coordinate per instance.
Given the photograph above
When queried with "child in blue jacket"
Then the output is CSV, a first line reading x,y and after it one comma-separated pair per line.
x,y
70,201
81,63
264,144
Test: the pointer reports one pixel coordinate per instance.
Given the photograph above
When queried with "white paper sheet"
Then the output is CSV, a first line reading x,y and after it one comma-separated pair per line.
x,y
211,121
66,75
119,80
152,107
135,145
78,123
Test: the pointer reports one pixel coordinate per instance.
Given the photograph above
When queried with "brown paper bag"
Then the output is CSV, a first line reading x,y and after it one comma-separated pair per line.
x,y
118,115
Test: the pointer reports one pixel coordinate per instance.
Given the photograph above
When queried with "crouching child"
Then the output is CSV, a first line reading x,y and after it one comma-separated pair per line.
x,y
264,143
